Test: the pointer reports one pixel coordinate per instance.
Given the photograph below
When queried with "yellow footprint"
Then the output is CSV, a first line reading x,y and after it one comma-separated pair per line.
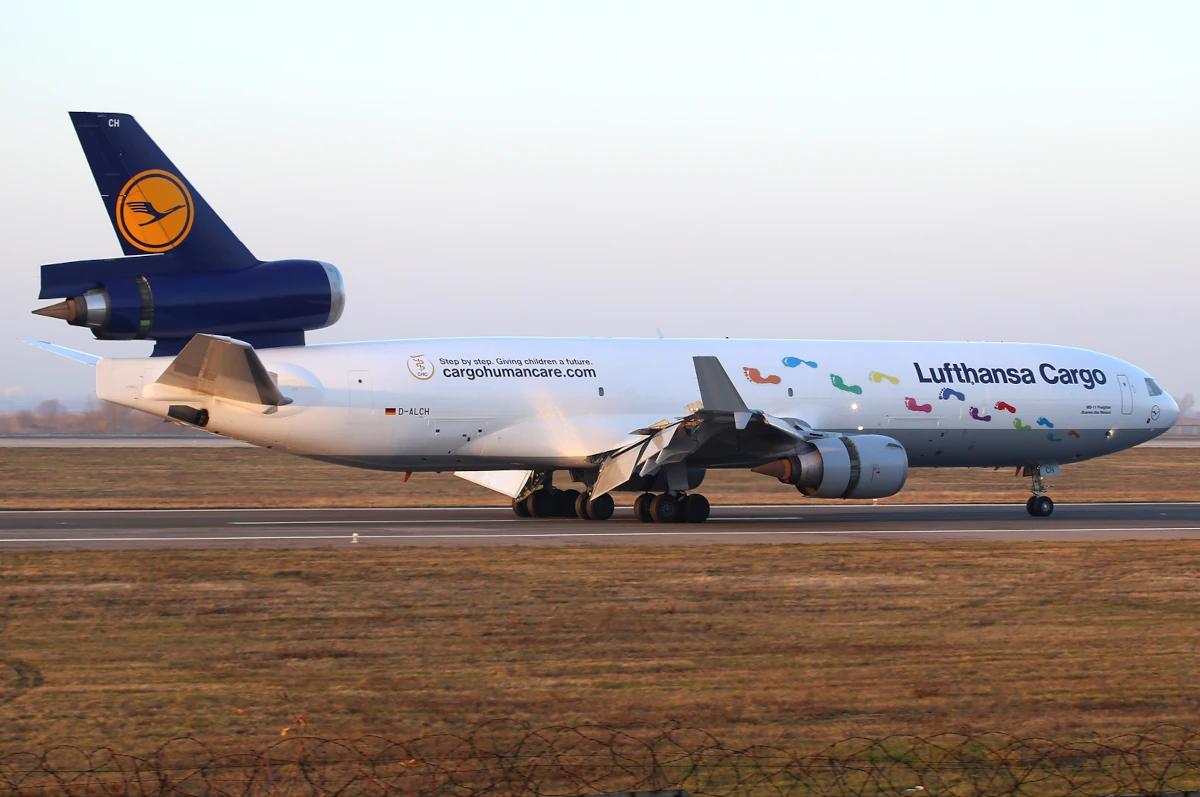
x,y
877,377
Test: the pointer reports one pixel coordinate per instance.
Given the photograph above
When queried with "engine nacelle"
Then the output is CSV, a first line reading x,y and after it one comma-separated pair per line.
x,y
856,466
280,299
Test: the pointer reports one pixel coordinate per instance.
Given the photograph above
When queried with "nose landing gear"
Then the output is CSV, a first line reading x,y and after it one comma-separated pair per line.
x,y
1039,504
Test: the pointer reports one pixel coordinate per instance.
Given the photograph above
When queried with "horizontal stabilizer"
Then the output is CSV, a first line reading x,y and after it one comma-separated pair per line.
x,y
225,368
71,354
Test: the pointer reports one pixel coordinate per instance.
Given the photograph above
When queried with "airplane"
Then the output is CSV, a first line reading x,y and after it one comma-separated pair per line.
x,y
834,419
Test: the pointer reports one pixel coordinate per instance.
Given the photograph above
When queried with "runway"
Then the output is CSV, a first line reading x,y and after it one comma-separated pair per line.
x,y
303,528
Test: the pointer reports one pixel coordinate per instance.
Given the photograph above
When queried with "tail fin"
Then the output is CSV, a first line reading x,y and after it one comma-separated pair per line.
x,y
152,206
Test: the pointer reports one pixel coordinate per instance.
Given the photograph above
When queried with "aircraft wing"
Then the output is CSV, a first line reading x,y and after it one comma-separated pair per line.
x,y
719,428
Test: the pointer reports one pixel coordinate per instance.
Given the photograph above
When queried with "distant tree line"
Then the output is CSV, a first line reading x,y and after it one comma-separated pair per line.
x,y
99,417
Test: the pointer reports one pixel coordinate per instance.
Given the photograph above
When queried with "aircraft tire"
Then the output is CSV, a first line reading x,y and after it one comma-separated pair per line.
x,y
664,508
1029,506
641,507
694,508
1043,506
519,508
581,507
601,508
564,503
540,504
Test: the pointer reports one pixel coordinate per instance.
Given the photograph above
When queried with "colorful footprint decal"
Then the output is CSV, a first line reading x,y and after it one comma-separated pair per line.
x,y
879,376
755,376
949,392
974,413
792,362
841,385
1044,422
1053,439
912,405
1073,433
1023,427
1005,406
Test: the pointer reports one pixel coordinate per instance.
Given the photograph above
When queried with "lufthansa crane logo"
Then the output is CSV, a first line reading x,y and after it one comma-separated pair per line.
x,y
421,367
154,211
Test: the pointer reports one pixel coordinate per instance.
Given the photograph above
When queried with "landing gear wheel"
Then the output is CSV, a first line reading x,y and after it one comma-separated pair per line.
x,y
664,508
581,507
694,508
601,508
519,508
1029,506
564,503
540,504
641,507
1043,505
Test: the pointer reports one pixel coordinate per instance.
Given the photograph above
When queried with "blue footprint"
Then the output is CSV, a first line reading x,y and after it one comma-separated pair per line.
x,y
792,362
1044,422
947,392
1053,439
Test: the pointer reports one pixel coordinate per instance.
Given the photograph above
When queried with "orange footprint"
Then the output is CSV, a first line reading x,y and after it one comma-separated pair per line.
x,y
755,376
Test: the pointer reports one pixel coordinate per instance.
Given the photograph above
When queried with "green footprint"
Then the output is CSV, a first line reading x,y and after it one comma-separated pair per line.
x,y
1018,425
841,385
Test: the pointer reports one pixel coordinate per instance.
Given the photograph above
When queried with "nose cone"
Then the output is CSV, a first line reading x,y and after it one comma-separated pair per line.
x,y
1169,411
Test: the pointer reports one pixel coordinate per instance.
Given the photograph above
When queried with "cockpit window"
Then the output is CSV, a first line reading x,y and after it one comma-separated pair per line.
x,y
1153,387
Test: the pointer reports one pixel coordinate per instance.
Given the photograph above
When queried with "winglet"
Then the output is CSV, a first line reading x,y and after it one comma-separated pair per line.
x,y
717,391
77,356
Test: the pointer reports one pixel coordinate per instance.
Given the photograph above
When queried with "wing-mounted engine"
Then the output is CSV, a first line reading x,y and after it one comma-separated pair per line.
x,y
854,466
722,431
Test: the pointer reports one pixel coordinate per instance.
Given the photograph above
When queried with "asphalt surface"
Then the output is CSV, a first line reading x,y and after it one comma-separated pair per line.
x,y
301,528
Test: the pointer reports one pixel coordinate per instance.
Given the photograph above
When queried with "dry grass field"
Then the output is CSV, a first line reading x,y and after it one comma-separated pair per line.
x,y
793,645
108,478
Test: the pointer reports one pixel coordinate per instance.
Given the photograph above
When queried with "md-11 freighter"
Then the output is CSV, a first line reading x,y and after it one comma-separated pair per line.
x,y
834,419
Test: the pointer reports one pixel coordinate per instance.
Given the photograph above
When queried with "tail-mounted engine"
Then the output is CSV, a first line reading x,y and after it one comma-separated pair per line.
x,y
268,304
856,466
184,272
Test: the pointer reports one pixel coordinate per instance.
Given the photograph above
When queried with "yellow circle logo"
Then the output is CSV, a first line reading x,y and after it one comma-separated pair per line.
x,y
154,211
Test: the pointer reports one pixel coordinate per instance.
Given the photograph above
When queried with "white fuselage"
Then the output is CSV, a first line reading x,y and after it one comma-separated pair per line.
x,y
553,403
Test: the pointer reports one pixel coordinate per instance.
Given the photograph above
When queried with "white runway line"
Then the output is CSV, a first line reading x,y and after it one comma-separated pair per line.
x,y
585,534
716,508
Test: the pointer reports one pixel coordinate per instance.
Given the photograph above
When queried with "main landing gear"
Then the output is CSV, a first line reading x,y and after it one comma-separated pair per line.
x,y
1040,504
550,502
668,508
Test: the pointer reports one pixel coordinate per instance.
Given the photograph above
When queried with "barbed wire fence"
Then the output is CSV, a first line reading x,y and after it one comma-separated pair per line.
x,y
509,759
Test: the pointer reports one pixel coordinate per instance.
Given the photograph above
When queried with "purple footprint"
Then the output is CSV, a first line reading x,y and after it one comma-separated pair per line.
x,y
974,413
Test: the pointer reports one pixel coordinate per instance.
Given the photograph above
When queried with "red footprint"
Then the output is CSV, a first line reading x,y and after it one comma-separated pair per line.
x,y
912,404
1004,405
1074,434
755,376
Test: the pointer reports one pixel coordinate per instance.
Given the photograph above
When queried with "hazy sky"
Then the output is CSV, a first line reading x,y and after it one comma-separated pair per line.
x,y
1016,171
